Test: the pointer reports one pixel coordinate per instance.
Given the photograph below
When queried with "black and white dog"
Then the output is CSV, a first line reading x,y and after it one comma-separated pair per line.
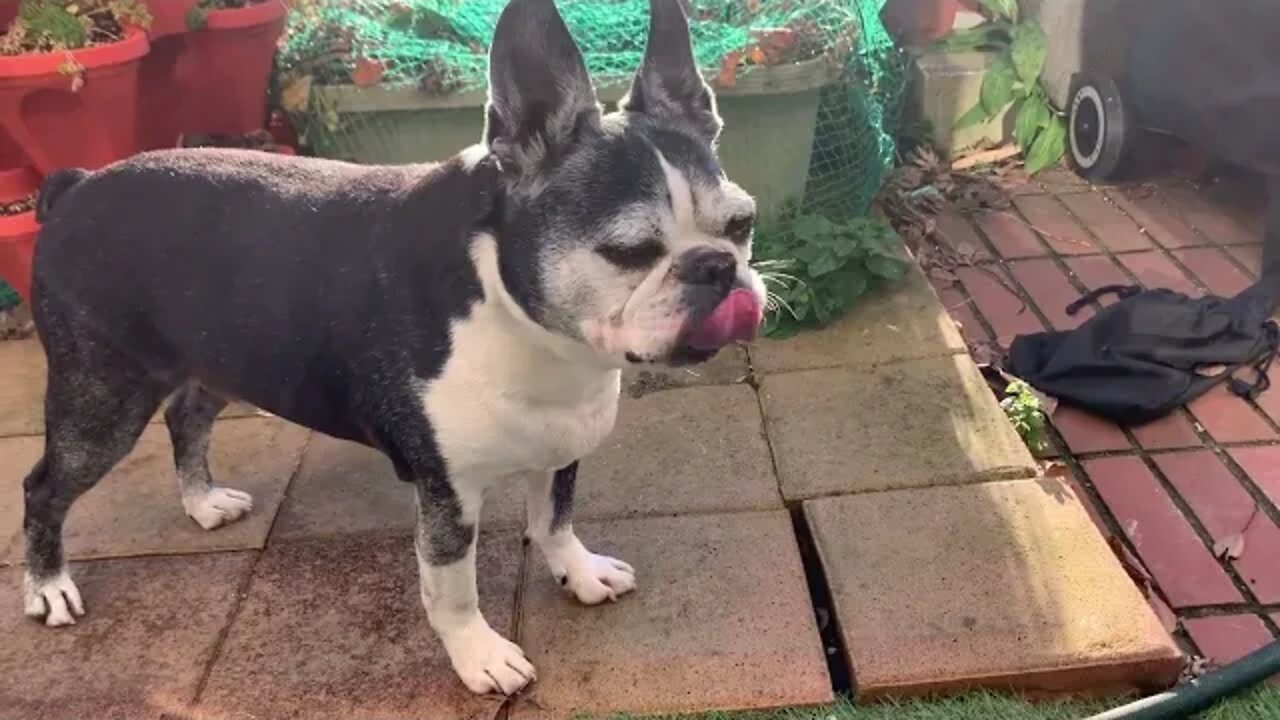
x,y
469,319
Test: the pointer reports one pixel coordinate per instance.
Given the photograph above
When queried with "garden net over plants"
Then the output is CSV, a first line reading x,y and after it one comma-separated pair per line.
x,y
439,48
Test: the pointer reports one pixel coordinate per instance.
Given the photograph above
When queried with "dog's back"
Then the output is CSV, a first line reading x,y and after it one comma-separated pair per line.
x,y
217,264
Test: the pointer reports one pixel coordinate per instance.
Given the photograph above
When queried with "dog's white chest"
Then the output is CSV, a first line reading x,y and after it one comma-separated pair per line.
x,y
492,429
506,401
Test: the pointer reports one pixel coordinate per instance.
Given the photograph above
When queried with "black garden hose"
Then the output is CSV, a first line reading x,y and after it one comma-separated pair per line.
x,y
1203,692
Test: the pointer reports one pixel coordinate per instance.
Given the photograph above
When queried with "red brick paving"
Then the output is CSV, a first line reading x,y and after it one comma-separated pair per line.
x,y
1168,237
1050,218
1248,255
1097,271
1004,310
1229,419
1262,464
1226,509
1214,269
1156,219
1166,542
1085,433
1157,270
1010,235
1226,638
1116,231
1214,223
1170,432
1051,290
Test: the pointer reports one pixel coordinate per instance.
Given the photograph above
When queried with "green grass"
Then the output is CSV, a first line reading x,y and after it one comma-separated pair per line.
x,y
1262,703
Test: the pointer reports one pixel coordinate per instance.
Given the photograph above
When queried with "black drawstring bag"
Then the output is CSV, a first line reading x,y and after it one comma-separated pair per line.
x,y
1153,351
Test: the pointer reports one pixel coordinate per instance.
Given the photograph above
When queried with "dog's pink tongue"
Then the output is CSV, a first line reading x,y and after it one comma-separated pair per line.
x,y
735,319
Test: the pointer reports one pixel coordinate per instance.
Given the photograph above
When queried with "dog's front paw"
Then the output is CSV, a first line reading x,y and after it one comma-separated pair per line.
x,y
487,662
595,578
56,600
218,506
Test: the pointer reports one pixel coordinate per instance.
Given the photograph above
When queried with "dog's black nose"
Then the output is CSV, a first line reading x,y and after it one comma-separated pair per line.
x,y
708,266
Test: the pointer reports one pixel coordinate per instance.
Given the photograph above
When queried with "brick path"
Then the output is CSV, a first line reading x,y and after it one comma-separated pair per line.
x,y
848,507
1175,488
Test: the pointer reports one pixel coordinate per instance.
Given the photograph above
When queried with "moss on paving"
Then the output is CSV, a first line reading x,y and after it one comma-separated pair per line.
x,y
1262,703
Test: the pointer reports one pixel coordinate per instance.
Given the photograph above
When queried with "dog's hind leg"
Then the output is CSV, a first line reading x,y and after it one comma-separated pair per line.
x,y
190,415
96,405
591,578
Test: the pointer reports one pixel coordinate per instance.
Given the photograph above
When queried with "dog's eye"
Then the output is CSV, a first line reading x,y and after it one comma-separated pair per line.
x,y
637,256
739,229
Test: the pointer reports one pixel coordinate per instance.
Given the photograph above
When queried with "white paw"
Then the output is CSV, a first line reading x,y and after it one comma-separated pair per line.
x,y
55,599
595,578
487,662
216,507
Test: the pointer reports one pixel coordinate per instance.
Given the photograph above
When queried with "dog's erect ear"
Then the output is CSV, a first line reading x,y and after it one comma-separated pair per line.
x,y
668,84
540,96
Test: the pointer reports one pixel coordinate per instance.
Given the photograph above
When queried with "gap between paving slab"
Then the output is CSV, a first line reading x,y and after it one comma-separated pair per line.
x,y
140,652
999,585
136,509
721,619
335,628
910,424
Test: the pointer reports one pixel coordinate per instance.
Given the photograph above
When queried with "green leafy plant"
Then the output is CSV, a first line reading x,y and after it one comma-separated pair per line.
x,y
1023,408
816,268
1013,78
198,15
62,25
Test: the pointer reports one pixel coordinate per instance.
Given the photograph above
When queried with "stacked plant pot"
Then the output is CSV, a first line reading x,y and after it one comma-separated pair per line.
x,y
210,79
90,107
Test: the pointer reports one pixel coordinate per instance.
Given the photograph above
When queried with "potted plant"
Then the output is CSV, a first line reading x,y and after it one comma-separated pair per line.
x,y
18,227
210,67
69,80
368,99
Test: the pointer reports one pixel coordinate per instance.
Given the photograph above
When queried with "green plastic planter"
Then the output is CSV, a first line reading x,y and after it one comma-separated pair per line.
x,y
769,116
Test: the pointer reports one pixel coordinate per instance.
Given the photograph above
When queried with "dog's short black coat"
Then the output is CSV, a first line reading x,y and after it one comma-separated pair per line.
x,y
317,272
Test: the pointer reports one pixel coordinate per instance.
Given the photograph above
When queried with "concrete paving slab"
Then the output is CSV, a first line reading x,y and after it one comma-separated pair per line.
x,y
911,424
136,510
728,367
21,387
694,450
345,488
997,585
335,629
907,322
140,652
720,620
20,455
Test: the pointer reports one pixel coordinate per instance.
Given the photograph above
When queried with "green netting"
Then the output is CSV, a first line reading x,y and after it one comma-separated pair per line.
x,y
437,49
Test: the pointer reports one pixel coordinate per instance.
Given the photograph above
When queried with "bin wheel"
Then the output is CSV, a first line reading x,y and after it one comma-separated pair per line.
x,y
1100,129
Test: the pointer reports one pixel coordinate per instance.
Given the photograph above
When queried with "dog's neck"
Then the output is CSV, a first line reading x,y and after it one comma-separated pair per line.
x,y
518,336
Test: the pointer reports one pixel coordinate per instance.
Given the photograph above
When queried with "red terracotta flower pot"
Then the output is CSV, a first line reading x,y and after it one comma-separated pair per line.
x,y
212,80
17,247
18,183
56,124
920,22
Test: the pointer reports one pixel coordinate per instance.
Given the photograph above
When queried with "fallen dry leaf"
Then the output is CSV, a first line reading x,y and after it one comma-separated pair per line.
x,y
296,95
367,73
1230,547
